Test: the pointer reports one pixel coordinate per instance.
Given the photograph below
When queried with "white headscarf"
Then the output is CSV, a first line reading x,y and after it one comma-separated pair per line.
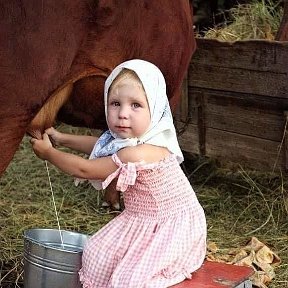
x,y
161,131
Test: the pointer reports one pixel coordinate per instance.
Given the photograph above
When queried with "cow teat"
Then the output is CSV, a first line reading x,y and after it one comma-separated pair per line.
x,y
47,114
34,133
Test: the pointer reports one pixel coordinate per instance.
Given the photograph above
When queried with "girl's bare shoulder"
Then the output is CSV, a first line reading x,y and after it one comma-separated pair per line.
x,y
144,152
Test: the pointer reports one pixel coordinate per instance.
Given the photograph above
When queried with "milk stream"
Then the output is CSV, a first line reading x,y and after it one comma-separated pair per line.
x,y
54,204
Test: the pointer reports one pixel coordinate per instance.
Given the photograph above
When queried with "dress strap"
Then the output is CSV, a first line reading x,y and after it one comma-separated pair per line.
x,y
126,173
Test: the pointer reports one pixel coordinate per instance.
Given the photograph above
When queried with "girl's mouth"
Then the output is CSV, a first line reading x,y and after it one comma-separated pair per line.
x,y
122,127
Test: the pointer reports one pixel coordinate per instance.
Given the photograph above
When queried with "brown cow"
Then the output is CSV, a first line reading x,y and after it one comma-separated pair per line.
x,y
55,53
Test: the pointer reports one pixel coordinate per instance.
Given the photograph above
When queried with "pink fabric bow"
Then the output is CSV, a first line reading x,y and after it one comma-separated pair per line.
x,y
126,173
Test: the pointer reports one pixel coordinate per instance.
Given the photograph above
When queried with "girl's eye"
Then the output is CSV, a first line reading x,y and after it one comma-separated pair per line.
x,y
136,105
115,103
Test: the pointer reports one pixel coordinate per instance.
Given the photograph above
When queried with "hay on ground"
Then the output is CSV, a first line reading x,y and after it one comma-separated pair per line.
x,y
239,204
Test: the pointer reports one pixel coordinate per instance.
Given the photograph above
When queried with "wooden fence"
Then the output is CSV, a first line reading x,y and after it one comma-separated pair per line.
x,y
235,103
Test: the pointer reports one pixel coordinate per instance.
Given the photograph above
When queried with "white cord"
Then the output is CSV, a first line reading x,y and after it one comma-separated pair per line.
x,y
55,209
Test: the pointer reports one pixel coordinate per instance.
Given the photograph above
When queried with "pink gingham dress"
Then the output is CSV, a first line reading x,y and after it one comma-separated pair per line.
x,y
160,237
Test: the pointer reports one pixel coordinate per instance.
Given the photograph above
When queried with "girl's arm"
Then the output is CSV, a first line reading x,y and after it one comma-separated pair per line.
x,y
81,143
99,168
74,165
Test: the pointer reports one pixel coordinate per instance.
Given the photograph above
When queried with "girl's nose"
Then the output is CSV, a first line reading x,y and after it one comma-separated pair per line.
x,y
123,112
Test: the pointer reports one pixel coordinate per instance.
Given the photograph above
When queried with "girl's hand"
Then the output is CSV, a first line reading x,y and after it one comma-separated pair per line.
x,y
41,147
54,135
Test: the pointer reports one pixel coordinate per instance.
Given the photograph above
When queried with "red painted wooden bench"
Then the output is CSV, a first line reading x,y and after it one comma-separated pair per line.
x,y
219,275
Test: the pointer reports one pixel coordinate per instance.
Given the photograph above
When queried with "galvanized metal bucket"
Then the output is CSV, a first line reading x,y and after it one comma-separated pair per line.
x,y
48,263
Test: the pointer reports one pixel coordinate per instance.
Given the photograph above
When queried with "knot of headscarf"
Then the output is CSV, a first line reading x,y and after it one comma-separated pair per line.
x,y
108,145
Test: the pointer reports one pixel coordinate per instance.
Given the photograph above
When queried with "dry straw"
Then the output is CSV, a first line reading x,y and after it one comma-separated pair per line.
x,y
255,20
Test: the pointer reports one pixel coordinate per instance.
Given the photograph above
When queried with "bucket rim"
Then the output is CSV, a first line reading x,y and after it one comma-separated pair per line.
x,y
43,244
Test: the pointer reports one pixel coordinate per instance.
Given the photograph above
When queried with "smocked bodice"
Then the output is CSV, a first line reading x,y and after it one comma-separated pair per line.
x,y
155,189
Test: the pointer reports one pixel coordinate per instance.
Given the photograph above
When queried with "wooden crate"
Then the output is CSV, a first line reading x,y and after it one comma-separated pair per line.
x,y
236,102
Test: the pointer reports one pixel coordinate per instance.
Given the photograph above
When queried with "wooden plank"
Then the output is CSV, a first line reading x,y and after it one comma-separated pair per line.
x,y
245,150
184,101
238,80
282,34
254,66
182,108
260,55
285,135
229,148
257,123
189,140
240,113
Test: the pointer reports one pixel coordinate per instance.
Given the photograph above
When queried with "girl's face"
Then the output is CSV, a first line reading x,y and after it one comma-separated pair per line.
x,y
128,113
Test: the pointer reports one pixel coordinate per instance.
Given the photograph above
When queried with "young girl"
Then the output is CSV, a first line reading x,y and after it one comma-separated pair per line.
x,y
160,237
